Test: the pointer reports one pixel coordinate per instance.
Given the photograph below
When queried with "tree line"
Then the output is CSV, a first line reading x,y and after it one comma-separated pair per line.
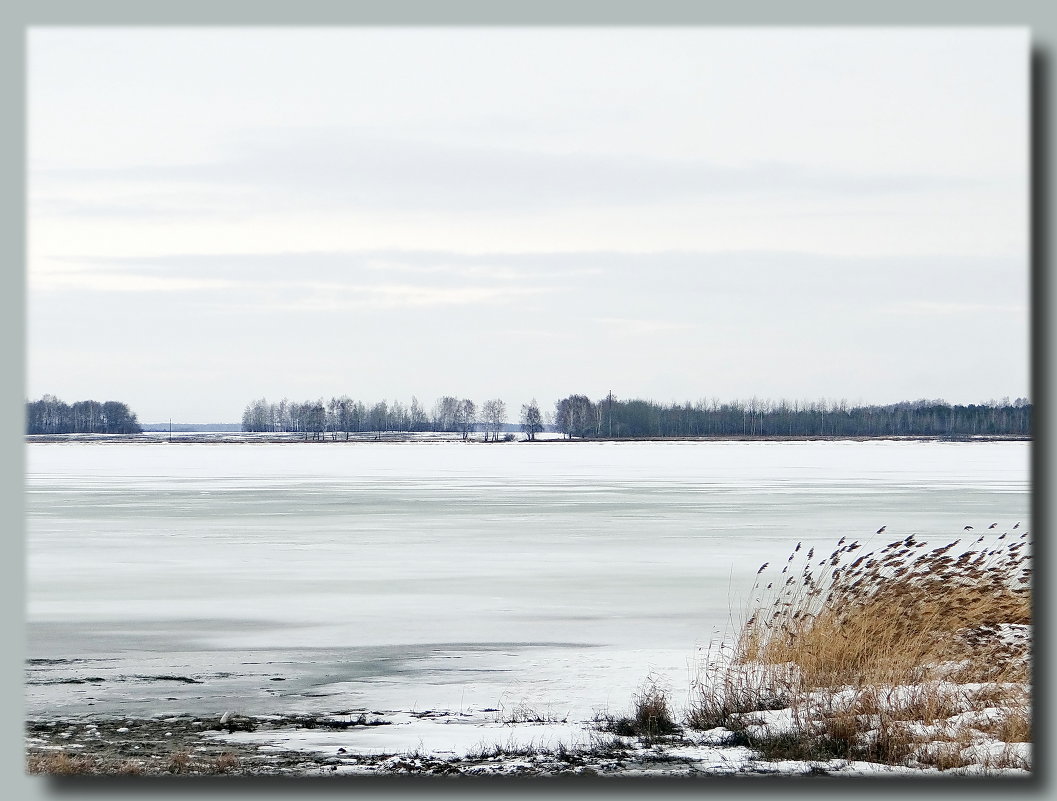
x,y
344,416
579,416
49,415
576,416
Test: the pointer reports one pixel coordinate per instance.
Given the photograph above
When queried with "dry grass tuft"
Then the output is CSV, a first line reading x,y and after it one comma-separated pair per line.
x,y
943,756
1012,724
182,762
720,697
179,762
525,713
225,763
60,763
129,767
63,763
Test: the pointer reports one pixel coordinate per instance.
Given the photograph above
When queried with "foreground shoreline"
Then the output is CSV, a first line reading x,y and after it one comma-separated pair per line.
x,y
185,745
188,745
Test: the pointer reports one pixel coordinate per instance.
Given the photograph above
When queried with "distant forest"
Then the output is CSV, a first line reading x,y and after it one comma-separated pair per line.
x,y
577,416
49,415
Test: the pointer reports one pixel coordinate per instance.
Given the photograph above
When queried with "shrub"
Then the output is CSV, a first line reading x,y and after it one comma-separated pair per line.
x,y
651,714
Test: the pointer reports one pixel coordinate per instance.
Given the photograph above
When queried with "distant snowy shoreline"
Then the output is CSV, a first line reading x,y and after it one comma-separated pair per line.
x,y
207,437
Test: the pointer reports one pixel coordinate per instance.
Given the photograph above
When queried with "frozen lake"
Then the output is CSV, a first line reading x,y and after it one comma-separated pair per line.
x,y
173,578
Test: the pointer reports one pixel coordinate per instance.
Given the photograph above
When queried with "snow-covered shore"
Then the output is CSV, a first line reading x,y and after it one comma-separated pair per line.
x,y
522,739
438,743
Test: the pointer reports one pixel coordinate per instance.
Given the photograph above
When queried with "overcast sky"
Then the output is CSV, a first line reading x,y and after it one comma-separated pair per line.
x,y
217,215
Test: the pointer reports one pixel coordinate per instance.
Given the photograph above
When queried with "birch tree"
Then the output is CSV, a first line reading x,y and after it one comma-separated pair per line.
x,y
493,414
531,421
466,417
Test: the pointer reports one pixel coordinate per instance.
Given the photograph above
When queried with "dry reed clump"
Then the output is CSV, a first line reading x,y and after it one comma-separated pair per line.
x,y
898,613
874,653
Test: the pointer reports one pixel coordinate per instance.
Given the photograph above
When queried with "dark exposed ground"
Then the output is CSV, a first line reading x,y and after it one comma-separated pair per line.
x,y
184,746
179,745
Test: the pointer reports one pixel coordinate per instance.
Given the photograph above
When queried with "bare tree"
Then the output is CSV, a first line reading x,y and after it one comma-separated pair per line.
x,y
466,417
416,416
575,416
446,413
493,414
378,417
398,417
339,416
315,419
531,421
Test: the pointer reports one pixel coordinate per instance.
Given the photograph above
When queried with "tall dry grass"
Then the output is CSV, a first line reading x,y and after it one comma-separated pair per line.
x,y
872,650
900,612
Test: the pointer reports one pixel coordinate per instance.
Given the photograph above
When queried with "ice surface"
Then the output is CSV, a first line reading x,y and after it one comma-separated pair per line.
x,y
441,575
